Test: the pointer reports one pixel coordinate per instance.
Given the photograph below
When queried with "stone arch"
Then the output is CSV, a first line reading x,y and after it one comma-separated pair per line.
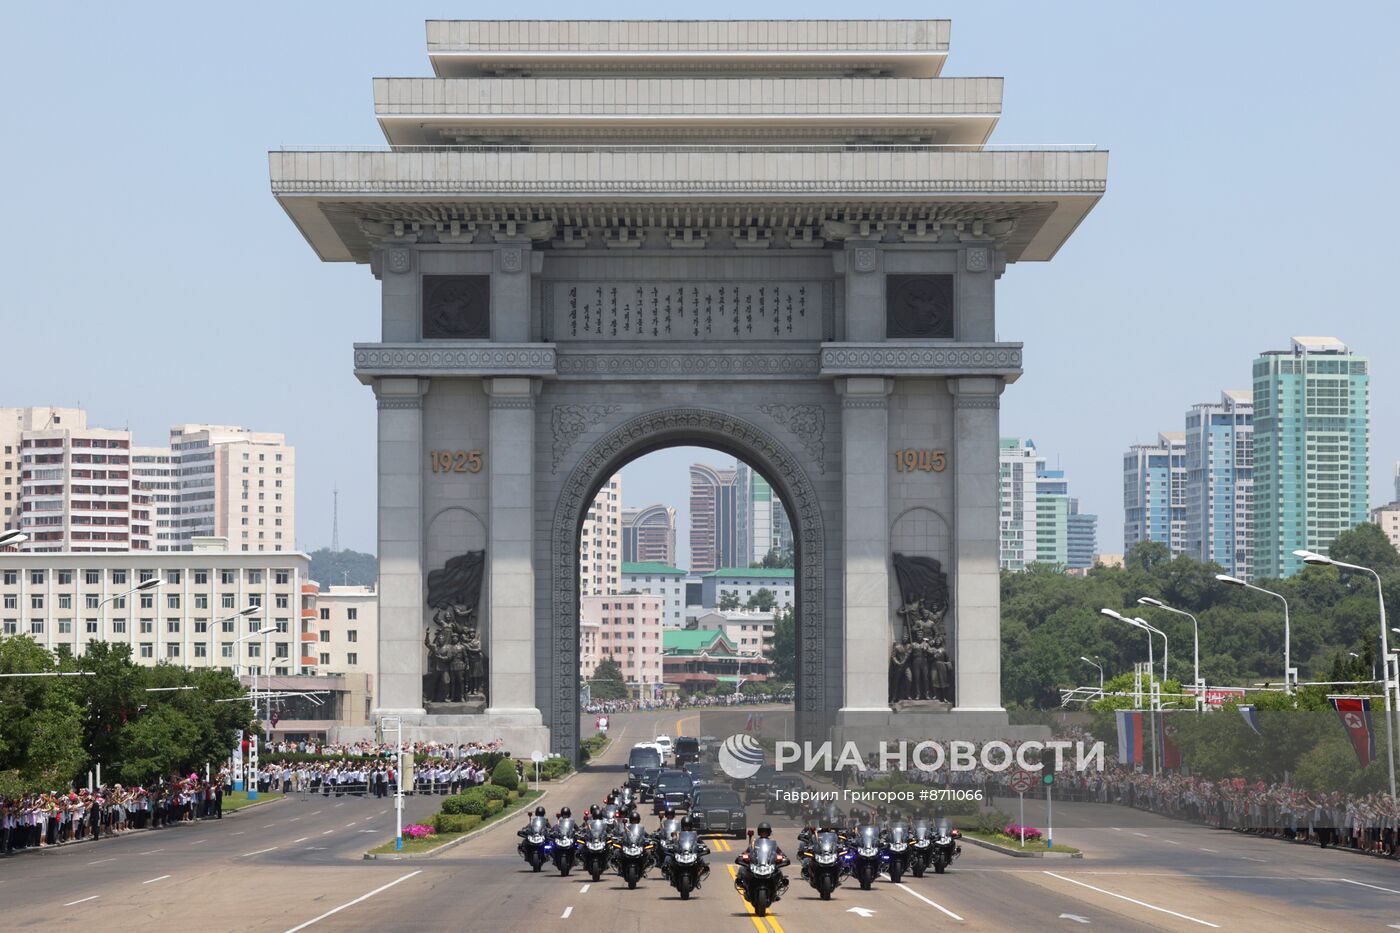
x,y
636,437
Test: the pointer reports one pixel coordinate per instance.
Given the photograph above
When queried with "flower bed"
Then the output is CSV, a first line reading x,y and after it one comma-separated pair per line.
x,y
1021,832
418,831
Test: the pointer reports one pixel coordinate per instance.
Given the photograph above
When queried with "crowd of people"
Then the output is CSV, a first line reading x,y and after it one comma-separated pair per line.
x,y
376,778
448,750
57,818
695,701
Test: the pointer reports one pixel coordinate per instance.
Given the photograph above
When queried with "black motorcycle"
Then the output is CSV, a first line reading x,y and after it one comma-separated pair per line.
x,y
532,844
560,846
685,863
945,846
631,854
663,838
920,848
896,853
593,848
823,863
863,855
761,880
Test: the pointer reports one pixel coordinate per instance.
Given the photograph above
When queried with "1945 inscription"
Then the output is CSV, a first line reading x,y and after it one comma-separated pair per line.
x,y
909,460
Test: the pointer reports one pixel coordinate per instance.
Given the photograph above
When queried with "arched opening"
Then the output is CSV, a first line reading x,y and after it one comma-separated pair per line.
x,y
816,653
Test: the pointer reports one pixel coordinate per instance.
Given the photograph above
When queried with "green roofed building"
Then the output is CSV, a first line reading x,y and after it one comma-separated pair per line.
x,y
661,580
694,659
745,581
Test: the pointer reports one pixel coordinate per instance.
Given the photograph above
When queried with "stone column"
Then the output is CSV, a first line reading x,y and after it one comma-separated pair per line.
x,y
865,433
977,542
401,614
864,268
510,459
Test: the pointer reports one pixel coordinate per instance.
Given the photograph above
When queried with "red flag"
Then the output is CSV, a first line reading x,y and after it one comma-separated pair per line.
x,y
1355,713
274,718
1171,755
748,723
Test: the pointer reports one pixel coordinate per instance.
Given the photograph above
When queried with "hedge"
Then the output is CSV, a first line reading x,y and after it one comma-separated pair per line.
x,y
455,822
554,768
594,744
503,775
469,803
494,806
491,792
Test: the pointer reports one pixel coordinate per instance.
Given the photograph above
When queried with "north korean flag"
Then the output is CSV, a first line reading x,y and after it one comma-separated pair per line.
x,y
1355,713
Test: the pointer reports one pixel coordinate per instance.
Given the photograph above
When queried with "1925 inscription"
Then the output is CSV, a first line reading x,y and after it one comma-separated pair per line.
x,y
456,461
910,460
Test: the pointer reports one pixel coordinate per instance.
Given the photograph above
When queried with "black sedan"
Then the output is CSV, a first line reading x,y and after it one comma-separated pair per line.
x,y
672,789
716,809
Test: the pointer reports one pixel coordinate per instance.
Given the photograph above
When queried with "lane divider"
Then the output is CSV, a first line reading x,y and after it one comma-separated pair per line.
x,y
929,902
758,921
1133,900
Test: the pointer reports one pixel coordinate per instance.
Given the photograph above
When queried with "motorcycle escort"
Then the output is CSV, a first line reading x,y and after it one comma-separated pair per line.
x,y
533,840
822,864
685,863
864,855
896,850
920,848
630,853
945,845
664,836
561,844
760,877
593,848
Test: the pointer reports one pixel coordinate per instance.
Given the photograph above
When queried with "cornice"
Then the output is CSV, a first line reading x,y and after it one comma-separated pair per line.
x,y
895,359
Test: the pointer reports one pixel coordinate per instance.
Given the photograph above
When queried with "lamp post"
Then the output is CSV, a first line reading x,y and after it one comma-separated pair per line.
x,y
1289,675
1195,639
142,587
397,721
1135,623
1100,668
266,635
1153,695
1319,560
1153,630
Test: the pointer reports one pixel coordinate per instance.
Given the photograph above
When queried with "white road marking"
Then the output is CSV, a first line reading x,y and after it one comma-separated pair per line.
x,y
584,889
1170,843
565,914
369,830
198,841
1204,849
362,897
1143,835
1133,900
327,832
314,812
83,901
1075,917
153,880
1251,859
349,824
302,839
101,860
929,902
259,852
294,819
341,804
267,826
239,833
1117,830
150,852
382,812
1365,885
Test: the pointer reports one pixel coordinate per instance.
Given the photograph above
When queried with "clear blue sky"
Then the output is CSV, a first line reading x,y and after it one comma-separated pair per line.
x,y
150,276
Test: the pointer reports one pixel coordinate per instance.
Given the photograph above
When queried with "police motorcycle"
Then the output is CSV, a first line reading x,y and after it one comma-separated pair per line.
x,y
533,839
920,847
561,844
664,835
593,842
823,862
896,853
631,851
945,844
685,861
865,856
760,877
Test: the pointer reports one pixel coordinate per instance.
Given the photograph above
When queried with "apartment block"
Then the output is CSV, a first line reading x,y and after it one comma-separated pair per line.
x,y
1220,482
600,542
347,630
658,579
625,629
649,534
1154,492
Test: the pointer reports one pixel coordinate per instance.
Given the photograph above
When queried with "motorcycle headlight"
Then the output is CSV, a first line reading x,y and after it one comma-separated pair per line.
x,y
596,846
685,857
761,869
631,850
898,846
826,859
868,850
921,843
536,838
943,840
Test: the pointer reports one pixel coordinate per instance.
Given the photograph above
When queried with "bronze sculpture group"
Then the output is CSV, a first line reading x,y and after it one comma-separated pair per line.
x,y
921,668
457,662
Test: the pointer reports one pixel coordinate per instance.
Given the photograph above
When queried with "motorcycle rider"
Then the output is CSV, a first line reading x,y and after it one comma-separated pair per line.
x,y
665,834
522,833
701,850
765,831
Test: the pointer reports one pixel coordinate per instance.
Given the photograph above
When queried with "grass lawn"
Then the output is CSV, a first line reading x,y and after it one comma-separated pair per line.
x,y
1014,842
417,846
237,800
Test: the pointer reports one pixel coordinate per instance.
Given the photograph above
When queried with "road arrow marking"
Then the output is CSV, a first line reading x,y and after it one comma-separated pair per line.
x,y
1075,917
862,911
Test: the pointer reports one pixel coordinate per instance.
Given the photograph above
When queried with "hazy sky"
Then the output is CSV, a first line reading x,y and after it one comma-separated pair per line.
x,y
151,277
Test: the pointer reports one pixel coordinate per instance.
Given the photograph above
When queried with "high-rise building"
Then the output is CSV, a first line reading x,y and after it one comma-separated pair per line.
x,y
1051,517
1018,465
1083,535
761,518
714,518
1154,492
600,542
649,535
1220,482
1312,450
14,422
1388,518
236,484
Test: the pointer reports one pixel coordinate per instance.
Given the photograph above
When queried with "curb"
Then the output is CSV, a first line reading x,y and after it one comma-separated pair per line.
x,y
1016,852
394,857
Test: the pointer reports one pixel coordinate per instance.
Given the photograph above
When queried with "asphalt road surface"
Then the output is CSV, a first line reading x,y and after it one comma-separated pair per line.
x,y
296,865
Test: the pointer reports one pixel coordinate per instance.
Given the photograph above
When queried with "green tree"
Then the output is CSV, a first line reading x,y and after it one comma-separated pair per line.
x,y
763,599
783,648
1146,555
775,560
41,729
339,568
607,682
1366,546
729,599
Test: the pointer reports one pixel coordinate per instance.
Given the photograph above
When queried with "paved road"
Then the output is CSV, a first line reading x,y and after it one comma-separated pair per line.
x,y
295,865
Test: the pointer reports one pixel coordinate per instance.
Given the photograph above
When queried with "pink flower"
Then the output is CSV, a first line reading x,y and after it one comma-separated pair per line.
x,y
418,831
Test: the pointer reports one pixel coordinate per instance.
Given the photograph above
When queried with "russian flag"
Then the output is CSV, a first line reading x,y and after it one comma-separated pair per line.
x,y
1129,737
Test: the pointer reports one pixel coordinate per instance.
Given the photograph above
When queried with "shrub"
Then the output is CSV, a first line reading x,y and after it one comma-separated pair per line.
x,y
992,822
592,745
503,775
468,803
494,806
555,768
455,822
492,792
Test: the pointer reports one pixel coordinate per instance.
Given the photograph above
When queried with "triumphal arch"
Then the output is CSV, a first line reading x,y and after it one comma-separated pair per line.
x,y
779,239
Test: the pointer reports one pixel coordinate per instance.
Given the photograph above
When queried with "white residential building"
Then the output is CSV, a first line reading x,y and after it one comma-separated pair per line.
x,y
749,630
347,630
627,629
660,580
600,542
745,582
234,483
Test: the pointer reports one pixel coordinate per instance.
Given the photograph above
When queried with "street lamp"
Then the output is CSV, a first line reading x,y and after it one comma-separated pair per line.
x,y
12,537
266,636
1319,560
1289,675
1136,623
1100,667
141,587
1153,693
1195,638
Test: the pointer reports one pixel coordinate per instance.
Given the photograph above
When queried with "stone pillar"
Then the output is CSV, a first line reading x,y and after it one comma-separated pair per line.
x,y
510,460
864,268
977,542
510,292
401,614
865,433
